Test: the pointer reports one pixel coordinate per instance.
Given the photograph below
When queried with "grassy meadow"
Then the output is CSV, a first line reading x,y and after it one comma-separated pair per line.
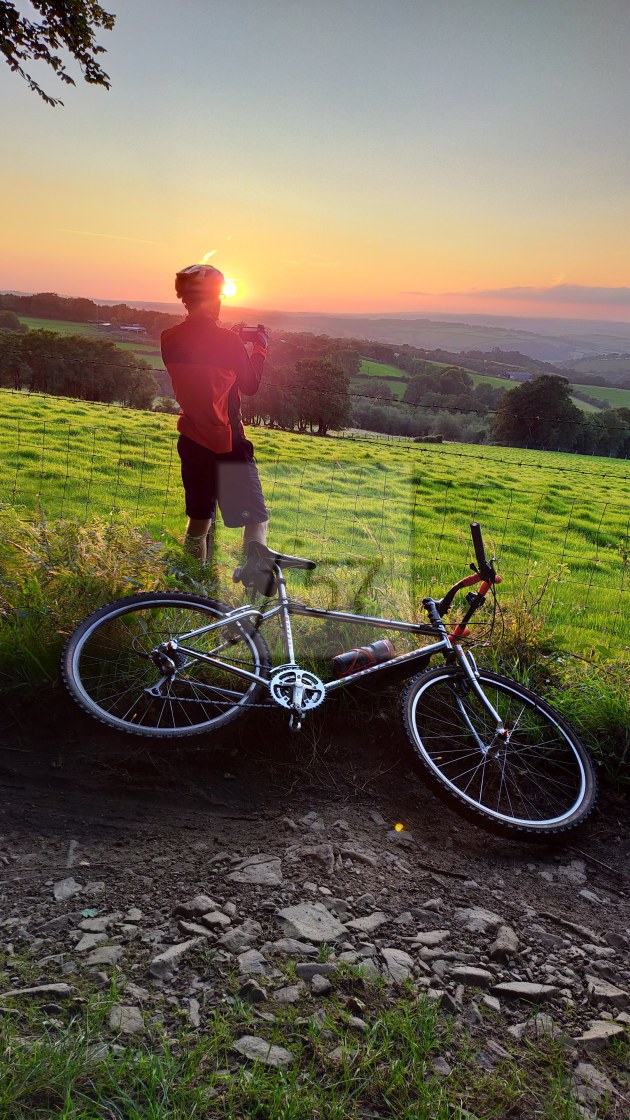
x,y
388,522
613,398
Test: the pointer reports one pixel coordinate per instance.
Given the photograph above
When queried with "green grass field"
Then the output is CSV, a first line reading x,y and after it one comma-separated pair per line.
x,y
59,326
147,350
391,518
614,398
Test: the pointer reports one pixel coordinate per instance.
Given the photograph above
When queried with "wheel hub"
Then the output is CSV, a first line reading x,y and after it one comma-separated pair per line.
x,y
296,689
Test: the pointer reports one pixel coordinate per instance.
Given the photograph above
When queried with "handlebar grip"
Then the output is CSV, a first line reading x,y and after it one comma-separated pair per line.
x,y
480,553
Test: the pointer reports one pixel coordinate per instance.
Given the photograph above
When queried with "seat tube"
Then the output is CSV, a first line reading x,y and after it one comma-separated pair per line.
x,y
285,617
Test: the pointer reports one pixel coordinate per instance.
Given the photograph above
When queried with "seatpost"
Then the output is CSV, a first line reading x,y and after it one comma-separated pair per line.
x,y
285,619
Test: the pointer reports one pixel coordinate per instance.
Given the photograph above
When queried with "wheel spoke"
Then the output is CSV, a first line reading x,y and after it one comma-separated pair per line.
x,y
117,658
534,778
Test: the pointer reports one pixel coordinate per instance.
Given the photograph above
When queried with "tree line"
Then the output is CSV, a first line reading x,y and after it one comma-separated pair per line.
x,y
69,309
73,366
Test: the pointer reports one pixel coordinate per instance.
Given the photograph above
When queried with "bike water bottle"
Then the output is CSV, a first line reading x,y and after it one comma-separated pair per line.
x,y
363,657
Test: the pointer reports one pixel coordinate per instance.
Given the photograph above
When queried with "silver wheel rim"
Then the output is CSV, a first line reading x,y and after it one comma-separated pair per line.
x,y
467,757
222,698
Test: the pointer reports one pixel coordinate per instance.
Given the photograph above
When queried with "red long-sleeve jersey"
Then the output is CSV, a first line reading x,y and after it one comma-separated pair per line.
x,y
210,368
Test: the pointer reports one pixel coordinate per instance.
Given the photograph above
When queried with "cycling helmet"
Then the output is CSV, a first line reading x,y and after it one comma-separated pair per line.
x,y
199,281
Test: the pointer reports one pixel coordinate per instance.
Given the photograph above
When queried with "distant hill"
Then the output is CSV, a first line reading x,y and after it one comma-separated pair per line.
x,y
548,340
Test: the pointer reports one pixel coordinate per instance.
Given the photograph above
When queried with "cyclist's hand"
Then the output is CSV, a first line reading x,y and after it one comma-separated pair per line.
x,y
261,341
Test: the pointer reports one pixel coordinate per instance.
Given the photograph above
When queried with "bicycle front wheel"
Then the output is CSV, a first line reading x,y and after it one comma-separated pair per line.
x,y
535,779
116,667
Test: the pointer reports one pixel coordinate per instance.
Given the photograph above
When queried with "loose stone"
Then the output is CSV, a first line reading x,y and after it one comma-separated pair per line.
x,y
478,920
505,945
252,963
216,920
252,991
398,964
369,923
609,995
127,1020
198,906
90,941
62,991
105,954
290,947
163,966
307,970
472,977
259,1050
311,921
241,937
321,986
290,994
599,1034
530,993
66,888
263,870
431,937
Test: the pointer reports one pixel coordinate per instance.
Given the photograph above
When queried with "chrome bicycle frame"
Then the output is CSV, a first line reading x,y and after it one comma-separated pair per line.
x,y
285,607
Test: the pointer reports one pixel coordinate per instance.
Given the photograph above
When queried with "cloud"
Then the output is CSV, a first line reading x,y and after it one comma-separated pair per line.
x,y
109,236
554,293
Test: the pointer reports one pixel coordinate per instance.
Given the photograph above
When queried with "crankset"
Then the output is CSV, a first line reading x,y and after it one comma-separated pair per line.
x,y
296,689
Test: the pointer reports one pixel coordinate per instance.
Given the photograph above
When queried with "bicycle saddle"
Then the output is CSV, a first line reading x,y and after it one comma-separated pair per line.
x,y
264,558
257,571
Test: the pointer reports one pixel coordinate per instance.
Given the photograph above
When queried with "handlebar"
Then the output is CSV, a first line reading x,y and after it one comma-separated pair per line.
x,y
484,574
485,566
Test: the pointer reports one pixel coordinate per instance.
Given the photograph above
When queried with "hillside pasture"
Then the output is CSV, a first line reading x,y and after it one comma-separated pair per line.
x,y
387,521
613,398
60,326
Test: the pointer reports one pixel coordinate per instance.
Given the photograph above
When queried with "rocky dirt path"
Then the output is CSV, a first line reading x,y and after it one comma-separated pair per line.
x,y
113,856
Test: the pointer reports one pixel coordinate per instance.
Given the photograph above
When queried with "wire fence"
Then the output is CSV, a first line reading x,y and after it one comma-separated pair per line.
x,y
387,522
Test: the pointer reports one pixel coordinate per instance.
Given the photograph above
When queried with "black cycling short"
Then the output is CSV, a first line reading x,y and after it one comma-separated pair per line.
x,y
231,480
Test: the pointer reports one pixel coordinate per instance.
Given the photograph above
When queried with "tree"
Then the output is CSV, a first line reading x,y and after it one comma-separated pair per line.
x,y
539,413
75,366
10,322
69,26
454,381
376,387
323,396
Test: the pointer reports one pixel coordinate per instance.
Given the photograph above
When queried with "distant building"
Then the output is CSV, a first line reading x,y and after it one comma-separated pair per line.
x,y
520,375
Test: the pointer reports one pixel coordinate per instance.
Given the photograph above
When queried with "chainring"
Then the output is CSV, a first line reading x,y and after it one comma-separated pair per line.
x,y
284,686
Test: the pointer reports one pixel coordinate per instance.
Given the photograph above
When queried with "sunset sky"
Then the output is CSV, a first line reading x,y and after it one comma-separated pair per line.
x,y
339,155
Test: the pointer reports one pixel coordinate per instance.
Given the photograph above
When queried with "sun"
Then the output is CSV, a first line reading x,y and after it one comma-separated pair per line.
x,y
230,289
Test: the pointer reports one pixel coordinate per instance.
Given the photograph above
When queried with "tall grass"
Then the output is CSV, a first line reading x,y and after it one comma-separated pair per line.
x,y
54,573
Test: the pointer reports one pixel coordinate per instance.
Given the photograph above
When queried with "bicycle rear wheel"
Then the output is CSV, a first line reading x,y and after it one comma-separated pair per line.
x,y
538,780
111,668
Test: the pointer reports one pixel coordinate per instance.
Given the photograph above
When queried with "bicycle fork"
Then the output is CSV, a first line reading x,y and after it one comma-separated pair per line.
x,y
469,665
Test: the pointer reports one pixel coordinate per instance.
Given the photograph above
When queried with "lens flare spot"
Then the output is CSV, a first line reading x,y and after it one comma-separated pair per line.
x,y
230,289
206,257
399,827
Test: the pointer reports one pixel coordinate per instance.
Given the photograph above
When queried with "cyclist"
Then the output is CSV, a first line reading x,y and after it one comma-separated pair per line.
x,y
210,368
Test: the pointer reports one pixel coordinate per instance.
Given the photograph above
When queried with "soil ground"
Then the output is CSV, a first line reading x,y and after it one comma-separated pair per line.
x,y
127,801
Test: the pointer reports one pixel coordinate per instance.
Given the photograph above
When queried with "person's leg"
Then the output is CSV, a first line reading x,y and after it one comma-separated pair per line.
x,y
241,498
196,540
256,532
199,479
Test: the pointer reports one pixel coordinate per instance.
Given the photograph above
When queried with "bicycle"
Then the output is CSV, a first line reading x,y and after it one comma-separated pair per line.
x,y
171,665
